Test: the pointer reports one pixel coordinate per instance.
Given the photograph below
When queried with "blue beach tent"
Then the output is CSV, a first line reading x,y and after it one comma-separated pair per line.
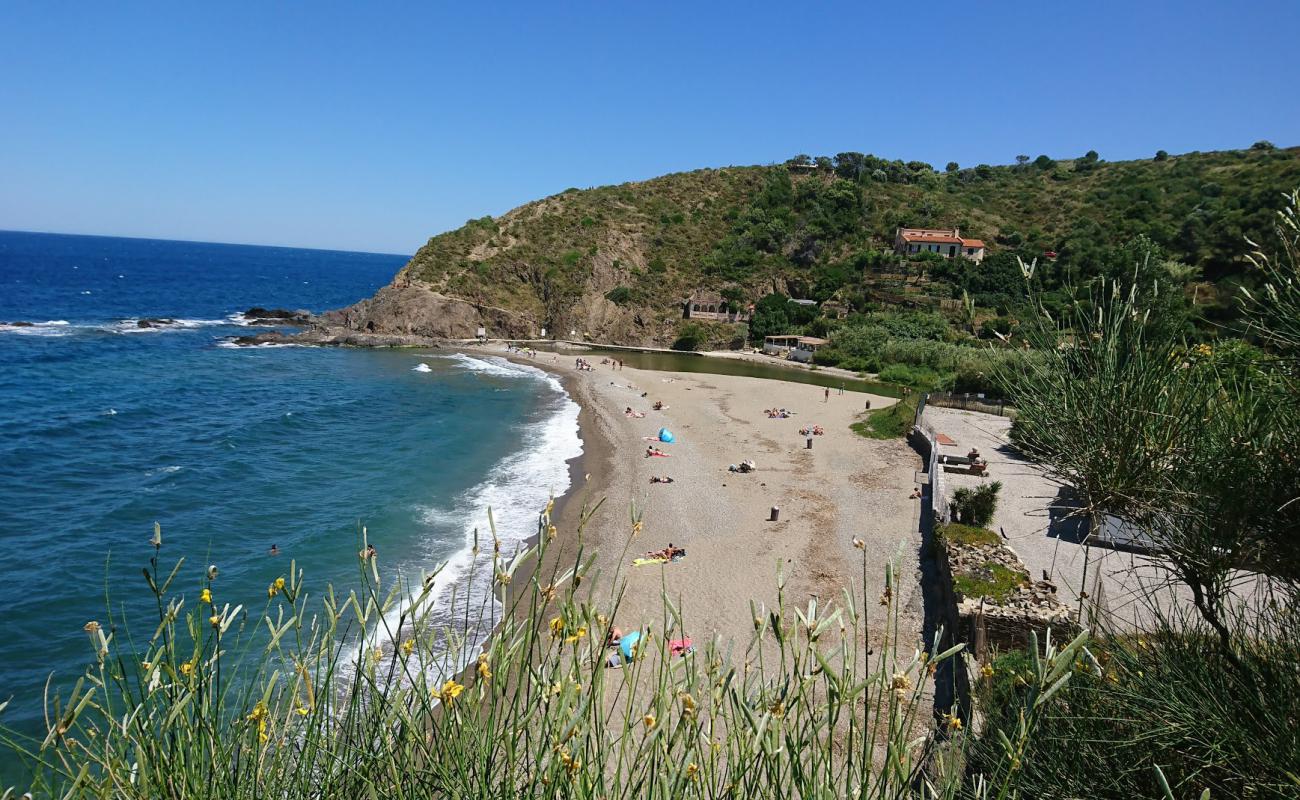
x,y
665,436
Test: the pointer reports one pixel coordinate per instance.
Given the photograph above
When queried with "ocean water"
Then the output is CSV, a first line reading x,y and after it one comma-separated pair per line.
x,y
106,428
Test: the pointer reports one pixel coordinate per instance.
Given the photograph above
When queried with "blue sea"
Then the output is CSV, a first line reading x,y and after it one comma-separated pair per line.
x,y
106,427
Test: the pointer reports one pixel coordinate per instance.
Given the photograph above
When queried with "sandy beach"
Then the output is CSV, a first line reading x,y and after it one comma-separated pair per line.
x,y
845,487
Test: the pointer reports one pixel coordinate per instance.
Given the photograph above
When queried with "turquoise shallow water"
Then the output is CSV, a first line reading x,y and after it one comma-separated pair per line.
x,y
105,430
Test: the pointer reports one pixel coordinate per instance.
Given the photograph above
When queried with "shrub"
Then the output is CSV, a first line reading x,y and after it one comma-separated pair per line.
x,y
1163,698
891,422
619,295
976,506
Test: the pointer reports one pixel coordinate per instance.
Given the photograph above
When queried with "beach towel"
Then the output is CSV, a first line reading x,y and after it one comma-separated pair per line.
x,y
645,562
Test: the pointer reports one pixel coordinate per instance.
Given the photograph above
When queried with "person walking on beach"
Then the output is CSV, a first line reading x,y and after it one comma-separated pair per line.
x,y
827,397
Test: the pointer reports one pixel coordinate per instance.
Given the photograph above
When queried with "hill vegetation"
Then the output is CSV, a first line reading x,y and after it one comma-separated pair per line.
x,y
618,261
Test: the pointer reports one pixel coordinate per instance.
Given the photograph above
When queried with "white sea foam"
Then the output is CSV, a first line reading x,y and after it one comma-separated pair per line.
x,y
54,327
230,344
131,325
516,491
493,365
422,367
61,327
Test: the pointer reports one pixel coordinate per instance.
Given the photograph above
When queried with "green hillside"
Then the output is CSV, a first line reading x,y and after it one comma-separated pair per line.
x,y
617,262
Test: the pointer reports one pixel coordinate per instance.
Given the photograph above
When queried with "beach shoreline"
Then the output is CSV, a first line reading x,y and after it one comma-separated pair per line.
x,y
845,488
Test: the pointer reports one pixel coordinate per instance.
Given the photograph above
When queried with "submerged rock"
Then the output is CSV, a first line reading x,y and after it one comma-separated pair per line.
x,y
154,322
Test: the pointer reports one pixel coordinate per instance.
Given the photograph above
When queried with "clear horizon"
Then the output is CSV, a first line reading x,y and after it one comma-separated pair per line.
x,y
335,128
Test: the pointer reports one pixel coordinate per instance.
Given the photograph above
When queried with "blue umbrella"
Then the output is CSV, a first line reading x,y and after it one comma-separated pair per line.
x,y
665,436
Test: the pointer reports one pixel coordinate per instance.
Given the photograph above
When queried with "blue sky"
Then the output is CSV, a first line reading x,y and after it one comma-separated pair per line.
x,y
375,126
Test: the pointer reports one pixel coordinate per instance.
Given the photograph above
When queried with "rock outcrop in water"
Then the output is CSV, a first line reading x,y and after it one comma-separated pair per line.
x,y
276,316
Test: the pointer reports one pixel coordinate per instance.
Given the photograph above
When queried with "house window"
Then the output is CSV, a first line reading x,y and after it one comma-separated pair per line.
x,y
952,250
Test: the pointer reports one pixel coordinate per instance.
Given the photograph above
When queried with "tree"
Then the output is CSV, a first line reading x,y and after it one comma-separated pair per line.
x,y
1022,160
1044,163
952,166
1161,155
1183,442
771,317
1263,144
1091,156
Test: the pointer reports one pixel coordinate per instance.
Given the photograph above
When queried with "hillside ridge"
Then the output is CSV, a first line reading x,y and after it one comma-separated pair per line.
x,y
617,263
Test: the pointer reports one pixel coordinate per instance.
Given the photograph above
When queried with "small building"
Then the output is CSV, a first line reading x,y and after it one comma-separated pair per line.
x,y
712,306
799,301
793,346
947,242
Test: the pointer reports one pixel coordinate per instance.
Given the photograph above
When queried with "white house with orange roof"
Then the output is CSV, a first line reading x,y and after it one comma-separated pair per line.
x,y
947,242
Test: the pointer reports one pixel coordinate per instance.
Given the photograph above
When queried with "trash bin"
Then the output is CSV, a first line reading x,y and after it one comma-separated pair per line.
x,y
776,512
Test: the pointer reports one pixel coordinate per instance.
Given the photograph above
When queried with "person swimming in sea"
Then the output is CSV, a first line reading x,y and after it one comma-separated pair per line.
x,y
274,551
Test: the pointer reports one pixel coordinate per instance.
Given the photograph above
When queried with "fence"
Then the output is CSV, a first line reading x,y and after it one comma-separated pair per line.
x,y
972,402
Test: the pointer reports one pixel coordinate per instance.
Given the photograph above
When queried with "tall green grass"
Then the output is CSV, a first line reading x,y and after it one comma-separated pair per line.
x,y
359,696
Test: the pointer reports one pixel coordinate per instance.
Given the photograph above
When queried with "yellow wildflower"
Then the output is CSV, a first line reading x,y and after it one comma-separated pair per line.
x,y
215,619
556,687
303,711
953,723
450,691
408,646
578,634
550,532
986,671
693,771
503,579
649,721
484,669
258,712
636,527
187,668
550,504
902,681
279,583
688,704
557,626
205,596
146,665
271,591
91,627
858,543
